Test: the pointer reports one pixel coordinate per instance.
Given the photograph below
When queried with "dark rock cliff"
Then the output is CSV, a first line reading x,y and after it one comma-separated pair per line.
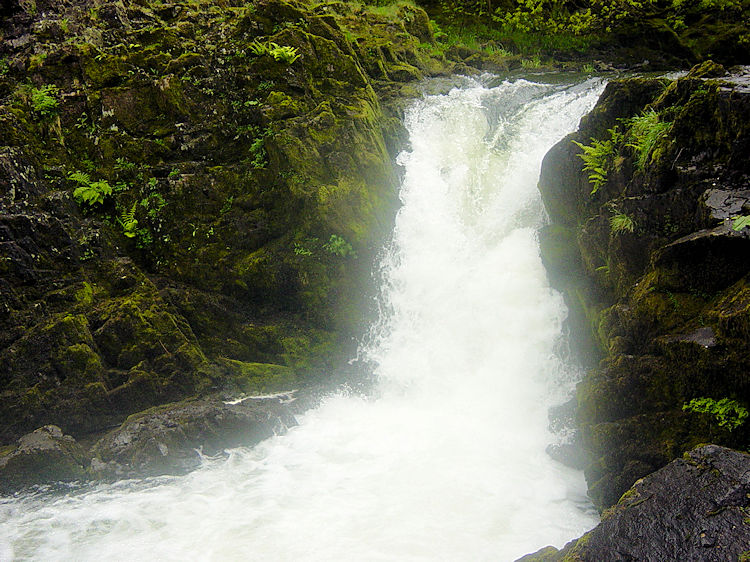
x,y
649,247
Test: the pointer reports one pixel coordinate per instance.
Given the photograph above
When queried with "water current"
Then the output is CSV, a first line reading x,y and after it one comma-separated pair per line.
x,y
446,461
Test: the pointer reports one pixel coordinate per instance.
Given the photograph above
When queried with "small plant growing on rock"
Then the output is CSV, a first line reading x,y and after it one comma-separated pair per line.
x,y
645,132
597,157
44,100
283,53
89,192
128,222
258,49
338,246
740,222
620,223
729,413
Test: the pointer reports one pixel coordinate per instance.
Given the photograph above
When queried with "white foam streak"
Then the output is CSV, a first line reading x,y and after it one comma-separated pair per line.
x,y
448,463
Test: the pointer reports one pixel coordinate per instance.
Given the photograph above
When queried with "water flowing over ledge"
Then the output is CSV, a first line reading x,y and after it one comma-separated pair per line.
x,y
448,462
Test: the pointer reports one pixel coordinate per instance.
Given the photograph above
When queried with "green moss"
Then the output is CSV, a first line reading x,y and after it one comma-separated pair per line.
x,y
260,377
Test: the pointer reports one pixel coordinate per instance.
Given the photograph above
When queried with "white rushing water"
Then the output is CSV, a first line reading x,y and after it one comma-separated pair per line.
x,y
448,461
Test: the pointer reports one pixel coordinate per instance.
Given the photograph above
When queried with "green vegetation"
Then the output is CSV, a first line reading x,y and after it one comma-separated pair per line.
x,y
645,132
730,414
620,223
44,100
89,192
532,63
740,222
598,157
128,221
281,53
337,246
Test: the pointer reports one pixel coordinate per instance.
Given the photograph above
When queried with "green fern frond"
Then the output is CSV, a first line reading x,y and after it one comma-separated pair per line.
x,y
81,178
129,222
258,48
621,223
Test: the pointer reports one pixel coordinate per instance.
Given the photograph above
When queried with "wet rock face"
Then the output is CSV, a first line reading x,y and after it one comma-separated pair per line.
x,y
45,455
172,439
663,278
692,509
167,439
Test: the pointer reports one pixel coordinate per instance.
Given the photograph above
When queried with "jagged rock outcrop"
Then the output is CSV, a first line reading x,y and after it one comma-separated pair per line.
x,y
695,508
648,246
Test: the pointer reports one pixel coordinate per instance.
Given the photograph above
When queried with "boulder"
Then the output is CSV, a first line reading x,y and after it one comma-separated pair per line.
x,y
692,509
172,439
41,457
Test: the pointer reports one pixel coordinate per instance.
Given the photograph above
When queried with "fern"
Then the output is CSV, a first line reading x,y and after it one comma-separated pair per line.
x,y
597,158
258,48
80,177
285,53
645,132
88,192
44,100
621,223
129,223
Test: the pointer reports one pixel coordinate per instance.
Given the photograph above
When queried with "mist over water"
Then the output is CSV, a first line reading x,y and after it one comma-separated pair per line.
x,y
447,460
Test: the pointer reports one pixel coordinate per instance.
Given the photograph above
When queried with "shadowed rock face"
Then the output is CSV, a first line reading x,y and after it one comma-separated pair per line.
x,y
692,509
653,270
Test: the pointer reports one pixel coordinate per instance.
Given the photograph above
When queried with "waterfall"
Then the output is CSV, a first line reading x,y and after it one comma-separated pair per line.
x,y
446,461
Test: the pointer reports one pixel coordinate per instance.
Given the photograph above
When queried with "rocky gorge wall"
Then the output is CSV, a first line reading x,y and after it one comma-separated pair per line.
x,y
647,201
191,198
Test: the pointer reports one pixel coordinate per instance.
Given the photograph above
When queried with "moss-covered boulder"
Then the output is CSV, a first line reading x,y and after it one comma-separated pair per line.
x,y
40,457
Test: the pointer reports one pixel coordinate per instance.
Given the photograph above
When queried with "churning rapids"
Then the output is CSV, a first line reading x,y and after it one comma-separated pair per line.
x,y
448,461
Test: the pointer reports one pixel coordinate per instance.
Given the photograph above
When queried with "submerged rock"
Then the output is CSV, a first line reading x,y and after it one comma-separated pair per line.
x,y
695,508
